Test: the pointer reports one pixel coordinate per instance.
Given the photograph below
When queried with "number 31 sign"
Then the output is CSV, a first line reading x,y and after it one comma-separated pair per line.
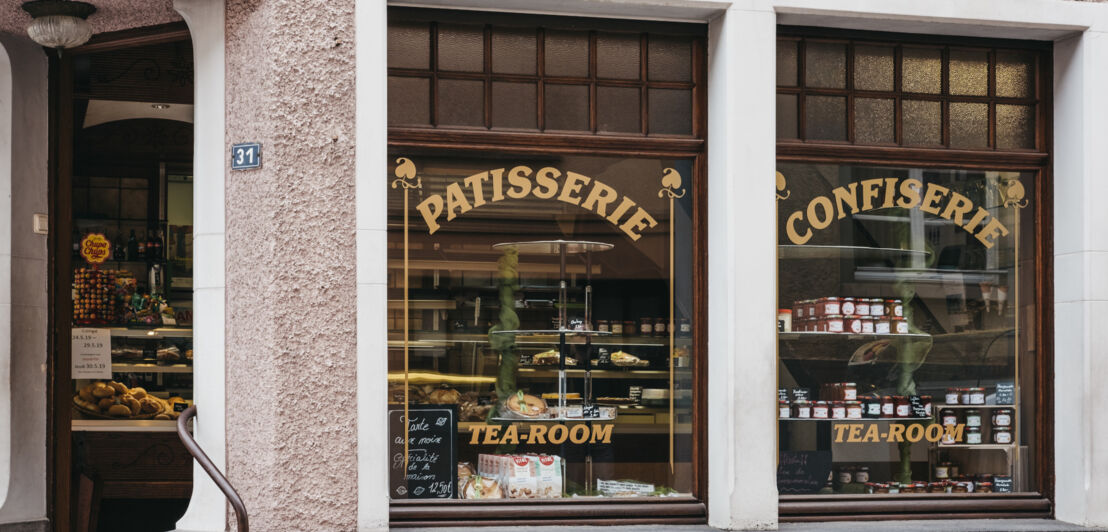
x,y
246,156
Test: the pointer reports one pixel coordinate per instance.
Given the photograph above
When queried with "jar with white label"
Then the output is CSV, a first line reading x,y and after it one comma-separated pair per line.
x,y
861,306
953,396
964,396
948,416
903,406
802,409
783,409
820,410
833,323
876,307
942,470
861,475
853,410
867,325
838,410
899,326
1002,435
847,307
973,435
853,324
1002,417
973,418
846,475
881,325
976,396
850,391
829,306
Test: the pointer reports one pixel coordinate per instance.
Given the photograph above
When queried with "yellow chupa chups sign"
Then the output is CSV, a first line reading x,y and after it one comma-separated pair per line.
x,y
885,193
519,182
95,248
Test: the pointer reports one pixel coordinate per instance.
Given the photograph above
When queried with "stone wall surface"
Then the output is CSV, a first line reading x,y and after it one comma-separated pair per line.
x,y
291,329
111,15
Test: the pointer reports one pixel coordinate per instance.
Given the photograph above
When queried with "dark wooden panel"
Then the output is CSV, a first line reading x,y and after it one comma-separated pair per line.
x,y
132,456
823,507
132,489
545,511
156,73
139,139
919,157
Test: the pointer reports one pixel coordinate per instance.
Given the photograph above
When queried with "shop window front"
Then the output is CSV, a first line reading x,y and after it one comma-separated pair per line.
x,y
543,312
909,353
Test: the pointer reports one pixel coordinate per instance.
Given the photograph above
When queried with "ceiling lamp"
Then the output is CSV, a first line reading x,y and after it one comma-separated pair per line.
x,y
59,23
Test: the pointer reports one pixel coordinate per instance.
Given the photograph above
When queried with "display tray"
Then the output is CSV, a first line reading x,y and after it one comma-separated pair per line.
x,y
124,425
139,367
165,408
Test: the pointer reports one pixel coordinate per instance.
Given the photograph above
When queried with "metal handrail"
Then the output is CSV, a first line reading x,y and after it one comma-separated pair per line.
x,y
206,463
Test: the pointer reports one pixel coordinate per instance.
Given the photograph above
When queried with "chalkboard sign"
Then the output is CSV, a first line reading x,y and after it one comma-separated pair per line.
x,y
801,394
803,471
432,459
1005,393
1002,484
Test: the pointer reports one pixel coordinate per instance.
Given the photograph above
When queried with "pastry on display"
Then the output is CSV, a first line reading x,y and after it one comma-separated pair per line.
x,y
550,358
114,400
471,409
444,396
526,405
170,355
478,487
620,358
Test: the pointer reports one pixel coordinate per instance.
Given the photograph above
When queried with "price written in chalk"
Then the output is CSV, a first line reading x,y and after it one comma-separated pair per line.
x,y
92,354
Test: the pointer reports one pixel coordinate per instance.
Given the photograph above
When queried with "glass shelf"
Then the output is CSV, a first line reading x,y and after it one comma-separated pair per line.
x,y
118,367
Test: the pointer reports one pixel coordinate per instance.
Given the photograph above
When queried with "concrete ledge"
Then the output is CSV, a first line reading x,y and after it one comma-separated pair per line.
x,y
41,525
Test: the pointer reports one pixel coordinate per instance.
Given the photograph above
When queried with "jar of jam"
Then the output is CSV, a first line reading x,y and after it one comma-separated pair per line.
x,y
848,307
973,435
876,307
850,391
881,488
960,487
661,327
853,410
892,306
802,409
964,396
810,309
852,324
616,327
820,410
926,401
907,488
973,418
948,416
872,407
861,475
684,328
903,407
976,396
861,306
888,407
629,328
867,325
646,327
1002,435
880,325
983,487
783,409
953,396
602,326
828,306
1002,417
899,326
846,475
838,410
942,470
936,487
833,323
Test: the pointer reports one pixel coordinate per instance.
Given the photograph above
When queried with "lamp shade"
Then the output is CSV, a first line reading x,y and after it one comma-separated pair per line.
x,y
58,23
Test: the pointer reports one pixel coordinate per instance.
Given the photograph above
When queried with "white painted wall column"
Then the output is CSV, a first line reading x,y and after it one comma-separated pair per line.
x,y
742,434
1081,277
371,31
208,508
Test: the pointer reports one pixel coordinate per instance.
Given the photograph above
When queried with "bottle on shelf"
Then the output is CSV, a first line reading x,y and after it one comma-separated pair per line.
x,y
132,247
119,252
158,247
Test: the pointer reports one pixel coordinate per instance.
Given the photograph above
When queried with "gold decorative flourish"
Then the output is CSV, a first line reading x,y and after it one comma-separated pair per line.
x,y
405,172
1013,194
782,186
671,184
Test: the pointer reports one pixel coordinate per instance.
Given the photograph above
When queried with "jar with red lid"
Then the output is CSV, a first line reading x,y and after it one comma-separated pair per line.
x,y
646,327
784,411
888,407
903,406
936,487
802,409
871,407
983,487
853,410
898,326
895,309
1002,435
976,396
867,325
973,435
964,396
838,410
881,325
953,396
1002,417
876,307
847,307
850,391
853,324
833,323
861,306
820,410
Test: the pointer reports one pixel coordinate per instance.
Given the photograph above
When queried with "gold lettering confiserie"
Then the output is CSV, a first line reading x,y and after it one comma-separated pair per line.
x,y
546,183
539,434
871,194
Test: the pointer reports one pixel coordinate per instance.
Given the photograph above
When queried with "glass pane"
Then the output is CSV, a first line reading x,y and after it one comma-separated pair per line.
x,y
567,107
873,121
786,63
922,70
566,53
669,58
969,72
786,116
1015,74
617,55
513,51
409,45
922,123
506,428
461,102
825,65
873,68
901,368
1015,127
461,48
969,125
670,111
825,117
409,100
514,105
617,110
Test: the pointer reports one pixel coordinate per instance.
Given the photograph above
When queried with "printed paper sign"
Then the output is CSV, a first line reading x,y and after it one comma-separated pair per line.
x,y
92,354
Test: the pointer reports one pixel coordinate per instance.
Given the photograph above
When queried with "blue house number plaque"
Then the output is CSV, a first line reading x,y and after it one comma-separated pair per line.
x,y
246,156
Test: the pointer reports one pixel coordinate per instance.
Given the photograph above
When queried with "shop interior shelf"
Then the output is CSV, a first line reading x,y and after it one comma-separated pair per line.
x,y
554,247
432,338
628,373
822,336
789,251
118,367
927,275
159,332
125,425
938,406
983,446
857,420
985,334
424,304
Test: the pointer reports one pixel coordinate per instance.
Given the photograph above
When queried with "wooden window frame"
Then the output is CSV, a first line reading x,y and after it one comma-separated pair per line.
x,y
1038,502
566,512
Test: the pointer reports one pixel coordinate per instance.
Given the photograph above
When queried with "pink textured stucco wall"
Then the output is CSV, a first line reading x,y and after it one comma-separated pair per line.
x,y
111,15
291,433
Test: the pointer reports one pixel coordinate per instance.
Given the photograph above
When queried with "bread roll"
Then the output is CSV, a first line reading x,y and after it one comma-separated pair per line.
x,y
119,387
133,404
105,403
119,411
102,390
138,392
